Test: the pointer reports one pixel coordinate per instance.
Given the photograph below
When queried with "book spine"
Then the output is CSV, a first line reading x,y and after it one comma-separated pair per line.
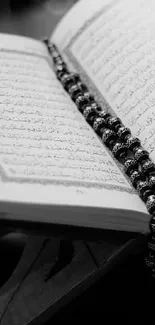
x,y
118,138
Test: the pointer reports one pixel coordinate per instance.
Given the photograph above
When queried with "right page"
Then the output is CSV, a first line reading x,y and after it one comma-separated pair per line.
x,y
112,45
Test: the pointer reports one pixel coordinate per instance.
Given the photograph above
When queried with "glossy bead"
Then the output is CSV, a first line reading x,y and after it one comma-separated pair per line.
x,y
75,77
152,238
92,119
105,115
140,154
123,132
150,261
114,123
53,51
153,273
62,74
146,194
143,188
130,165
64,77
151,180
119,150
150,204
59,62
88,95
152,224
68,80
56,56
51,47
88,112
135,177
97,107
151,246
74,91
132,142
108,137
98,124
81,102
82,86
94,105
147,166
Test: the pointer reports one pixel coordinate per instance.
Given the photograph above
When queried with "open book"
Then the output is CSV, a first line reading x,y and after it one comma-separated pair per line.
x,y
53,167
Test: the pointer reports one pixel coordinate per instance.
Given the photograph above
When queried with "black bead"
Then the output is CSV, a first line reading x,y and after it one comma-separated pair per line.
x,y
60,66
81,102
119,150
146,194
123,132
51,47
46,41
62,73
82,86
105,115
98,124
68,80
152,224
108,137
88,95
88,112
153,273
64,76
130,165
142,187
151,243
151,180
96,106
150,261
150,204
132,142
58,62
114,123
75,77
151,246
135,177
74,91
152,238
147,166
56,57
140,154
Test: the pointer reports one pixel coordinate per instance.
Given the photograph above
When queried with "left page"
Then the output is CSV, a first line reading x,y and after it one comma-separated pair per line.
x,y
48,153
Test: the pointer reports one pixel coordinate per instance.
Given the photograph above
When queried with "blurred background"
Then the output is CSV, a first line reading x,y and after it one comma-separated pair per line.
x,y
34,18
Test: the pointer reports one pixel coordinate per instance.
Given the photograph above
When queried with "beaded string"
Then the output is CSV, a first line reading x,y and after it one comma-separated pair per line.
x,y
125,148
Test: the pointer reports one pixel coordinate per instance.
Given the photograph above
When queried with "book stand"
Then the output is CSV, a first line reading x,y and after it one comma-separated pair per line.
x,y
49,272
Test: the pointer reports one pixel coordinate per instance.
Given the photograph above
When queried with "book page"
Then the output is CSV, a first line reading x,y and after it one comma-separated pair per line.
x,y
51,162
113,48
49,156
43,138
